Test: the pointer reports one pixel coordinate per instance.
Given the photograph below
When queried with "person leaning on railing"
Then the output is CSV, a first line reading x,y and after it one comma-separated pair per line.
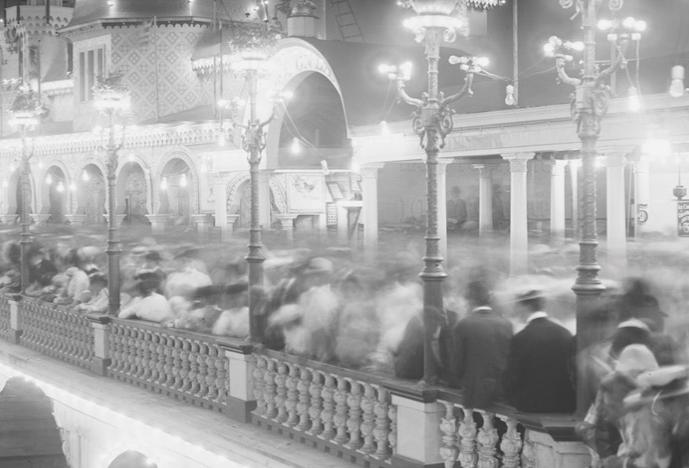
x,y
98,287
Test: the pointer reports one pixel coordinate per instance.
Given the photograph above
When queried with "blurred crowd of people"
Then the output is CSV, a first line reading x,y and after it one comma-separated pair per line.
x,y
328,307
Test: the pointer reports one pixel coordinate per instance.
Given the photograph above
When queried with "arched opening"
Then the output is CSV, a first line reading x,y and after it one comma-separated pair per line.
x,y
132,459
313,126
241,205
30,436
176,188
132,194
91,195
55,195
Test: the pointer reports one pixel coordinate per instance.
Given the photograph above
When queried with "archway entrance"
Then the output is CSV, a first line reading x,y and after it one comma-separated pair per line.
x,y
30,436
55,198
132,194
132,459
314,127
91,195
176,188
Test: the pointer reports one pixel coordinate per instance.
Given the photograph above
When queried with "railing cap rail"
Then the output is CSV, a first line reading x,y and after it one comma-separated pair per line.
x,y
103,319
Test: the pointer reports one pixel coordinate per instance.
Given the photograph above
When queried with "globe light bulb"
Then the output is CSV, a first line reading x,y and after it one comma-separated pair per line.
x,y
49,179
72,187
510,99
677,84
183,181
163,184
85,176
634,101
60,187
295,148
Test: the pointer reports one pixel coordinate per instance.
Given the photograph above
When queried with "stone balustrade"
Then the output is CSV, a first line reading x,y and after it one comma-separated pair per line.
x,y
348,412
56,331
187,366
365,418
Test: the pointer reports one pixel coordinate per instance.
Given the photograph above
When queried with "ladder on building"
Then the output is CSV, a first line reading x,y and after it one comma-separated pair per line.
x,y
346,21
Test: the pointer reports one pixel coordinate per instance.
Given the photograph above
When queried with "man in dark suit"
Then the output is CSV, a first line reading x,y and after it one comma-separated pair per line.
x,y
539,371
481,342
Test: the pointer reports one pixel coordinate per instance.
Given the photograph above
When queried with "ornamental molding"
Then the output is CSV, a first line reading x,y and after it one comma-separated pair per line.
x,y
141,137
295,57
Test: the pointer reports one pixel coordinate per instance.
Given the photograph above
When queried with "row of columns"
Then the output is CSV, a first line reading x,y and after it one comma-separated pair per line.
x,y
616,204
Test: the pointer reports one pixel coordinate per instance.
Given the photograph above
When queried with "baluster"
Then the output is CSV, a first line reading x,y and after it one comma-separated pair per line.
x,y
511,444
467,439
487,442
222,365
203,370
316,404
259,379
130,353
449,447
528,453
382,425
169,365
341,411
292,396
193,367
368,418
185,367
328,412
303,406
161,357
211,383
281,392
145,373
269,389
354,420
392,437
141,361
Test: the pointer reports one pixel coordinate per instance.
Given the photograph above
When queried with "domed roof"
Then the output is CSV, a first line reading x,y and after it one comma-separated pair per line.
x,y
113,11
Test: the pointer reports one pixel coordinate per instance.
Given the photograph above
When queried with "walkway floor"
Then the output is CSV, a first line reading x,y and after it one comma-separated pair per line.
x,y
243,443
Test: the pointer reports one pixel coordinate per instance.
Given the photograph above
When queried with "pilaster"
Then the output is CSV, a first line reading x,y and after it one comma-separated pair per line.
x,y
616,210
485,203
557,200
418,437
101,344
519,234
369,189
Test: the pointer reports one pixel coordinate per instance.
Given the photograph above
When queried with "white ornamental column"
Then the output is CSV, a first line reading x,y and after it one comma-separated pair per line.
x,y
557,200
574,165
519,234
616,210
220,194
369,195
643,195
485,200
442,206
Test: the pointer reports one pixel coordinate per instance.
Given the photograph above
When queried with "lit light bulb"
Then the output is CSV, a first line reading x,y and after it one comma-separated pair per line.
x,y
183,180
384,128
677,85
85,176
60,187
405,71
604,24
634,101
163,184
510,99
599,163
482,62
49,179
40,164
13,167
295,148
72,187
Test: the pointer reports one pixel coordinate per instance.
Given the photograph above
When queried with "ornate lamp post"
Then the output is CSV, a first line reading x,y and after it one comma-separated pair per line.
x,y
436,21
253,46
26,111
111,98
589,106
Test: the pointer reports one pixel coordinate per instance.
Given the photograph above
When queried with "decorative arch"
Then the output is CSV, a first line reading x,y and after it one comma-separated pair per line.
x,y
133,189
135,160
55,193
11,187
233,193
293,62
194,183
92,193
132,459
